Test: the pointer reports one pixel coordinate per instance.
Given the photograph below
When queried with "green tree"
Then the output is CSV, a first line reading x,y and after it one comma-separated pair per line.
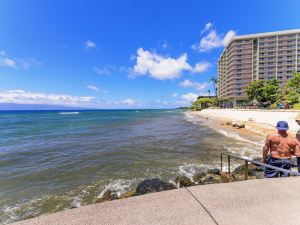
x,y
264,92
215,83
293,89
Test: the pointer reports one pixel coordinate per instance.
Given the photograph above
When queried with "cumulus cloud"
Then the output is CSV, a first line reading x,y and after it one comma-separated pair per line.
x,y
97,89
25,97
89,44
190,84
17,63
163,67
189,97
212,39
207,27
129,102
201,67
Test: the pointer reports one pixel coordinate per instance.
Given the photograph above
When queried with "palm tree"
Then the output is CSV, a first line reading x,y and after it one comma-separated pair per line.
x,y
208,93
214,82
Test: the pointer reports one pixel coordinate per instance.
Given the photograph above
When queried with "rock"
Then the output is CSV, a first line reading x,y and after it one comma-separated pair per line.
x,y
260,175
235,125
212,179
183,181
238,177
109,195
228,123
198,177
241,126
153,185
224,177
128,194
241,169
214,171
258,159
241,177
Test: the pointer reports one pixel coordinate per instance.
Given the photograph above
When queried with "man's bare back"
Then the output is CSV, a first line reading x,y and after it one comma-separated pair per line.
x,y
280,146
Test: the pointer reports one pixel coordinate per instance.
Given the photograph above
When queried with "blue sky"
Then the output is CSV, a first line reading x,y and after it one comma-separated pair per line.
x,y
126,53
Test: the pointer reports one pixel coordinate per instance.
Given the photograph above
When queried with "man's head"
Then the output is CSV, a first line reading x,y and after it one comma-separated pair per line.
x,y
282,126
298,119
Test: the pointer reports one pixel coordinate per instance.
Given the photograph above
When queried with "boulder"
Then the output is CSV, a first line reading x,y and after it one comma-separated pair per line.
x,y
183,181
260,175
224,177
212,179
238,177
128,194
109,195
241,126
241,169
235,125
153,185
214,171
258,159
228,123
198,177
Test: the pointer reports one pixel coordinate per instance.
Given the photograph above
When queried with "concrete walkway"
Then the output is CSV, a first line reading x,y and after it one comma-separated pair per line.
x,y
262,202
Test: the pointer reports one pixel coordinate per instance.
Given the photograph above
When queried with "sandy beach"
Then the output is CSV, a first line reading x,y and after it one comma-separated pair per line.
x,y
257,121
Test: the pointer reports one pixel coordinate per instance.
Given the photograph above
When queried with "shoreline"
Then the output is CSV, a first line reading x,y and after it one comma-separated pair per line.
x,y
257,122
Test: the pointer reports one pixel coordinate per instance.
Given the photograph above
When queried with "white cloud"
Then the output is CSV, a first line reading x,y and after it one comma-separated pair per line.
x,y
162,67
97,89
25,97
8,62
174,95
17,63
207,27
190,84
201,67
89,44
228,36
129,102
189,97
213,39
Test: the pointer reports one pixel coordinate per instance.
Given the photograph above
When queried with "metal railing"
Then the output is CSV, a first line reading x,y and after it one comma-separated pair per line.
x,y
247,161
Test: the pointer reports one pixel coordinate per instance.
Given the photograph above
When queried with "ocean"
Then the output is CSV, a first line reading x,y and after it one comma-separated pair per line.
x,y
55,160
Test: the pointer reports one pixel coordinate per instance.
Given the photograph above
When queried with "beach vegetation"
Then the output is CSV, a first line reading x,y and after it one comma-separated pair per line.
x,y
264,92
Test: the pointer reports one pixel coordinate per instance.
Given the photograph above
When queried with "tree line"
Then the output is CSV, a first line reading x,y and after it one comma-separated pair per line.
x,y
264,93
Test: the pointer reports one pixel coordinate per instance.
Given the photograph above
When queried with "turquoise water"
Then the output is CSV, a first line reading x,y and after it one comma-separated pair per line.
x,y
54,160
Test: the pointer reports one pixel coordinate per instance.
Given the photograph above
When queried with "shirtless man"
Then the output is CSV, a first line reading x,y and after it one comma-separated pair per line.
x,y
281,147
297,119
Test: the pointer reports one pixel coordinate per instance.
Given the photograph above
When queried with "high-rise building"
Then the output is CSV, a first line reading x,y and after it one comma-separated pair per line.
x,y
261,56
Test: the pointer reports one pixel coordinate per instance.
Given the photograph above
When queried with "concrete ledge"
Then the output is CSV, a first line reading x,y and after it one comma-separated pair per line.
x,y
263,202
168,207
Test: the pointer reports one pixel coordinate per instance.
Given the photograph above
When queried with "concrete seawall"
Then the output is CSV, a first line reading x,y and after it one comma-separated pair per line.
x,y
263,202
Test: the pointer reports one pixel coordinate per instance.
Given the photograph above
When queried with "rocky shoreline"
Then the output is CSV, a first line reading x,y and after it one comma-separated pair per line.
x,y
211,176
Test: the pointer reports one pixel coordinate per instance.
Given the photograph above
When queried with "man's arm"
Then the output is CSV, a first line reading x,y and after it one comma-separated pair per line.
x,y
266,148
296,151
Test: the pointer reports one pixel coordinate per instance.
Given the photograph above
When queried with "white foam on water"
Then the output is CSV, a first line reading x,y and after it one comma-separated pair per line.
x,y
76,203
187,170
236,136
68,113
119,185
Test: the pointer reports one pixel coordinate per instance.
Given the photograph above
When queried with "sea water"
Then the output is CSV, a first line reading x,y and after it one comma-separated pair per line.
x,y
55,160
